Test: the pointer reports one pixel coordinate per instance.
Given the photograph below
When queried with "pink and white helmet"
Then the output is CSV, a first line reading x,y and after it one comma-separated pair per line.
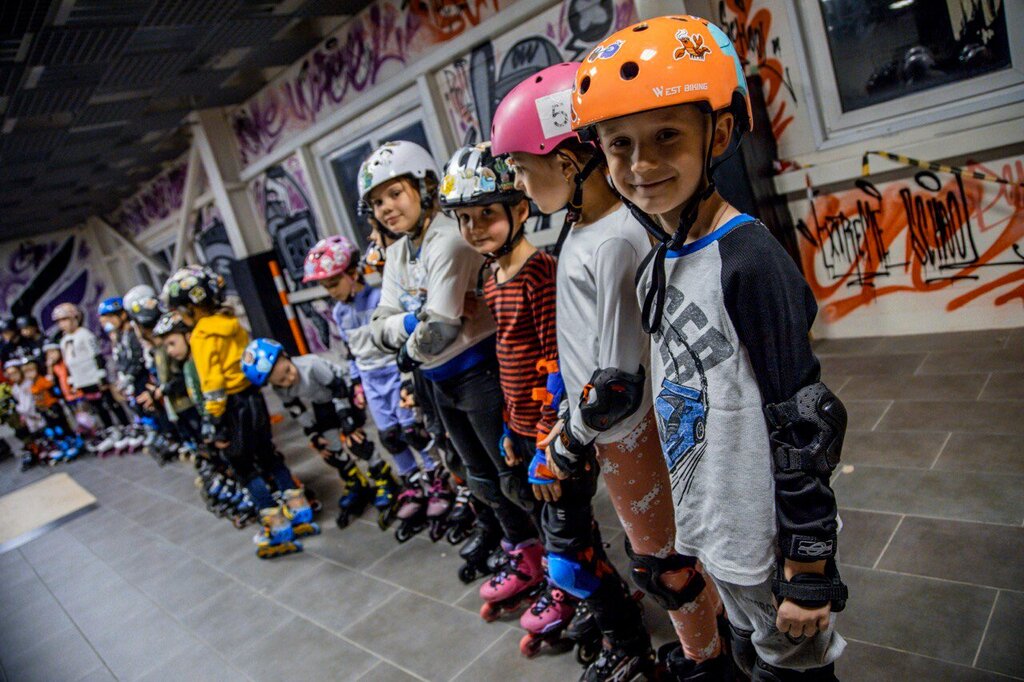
x,y
330,257
535,116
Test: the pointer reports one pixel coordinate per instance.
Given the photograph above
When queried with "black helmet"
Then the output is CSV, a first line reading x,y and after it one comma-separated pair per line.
x,y
26,321
7,324
193,285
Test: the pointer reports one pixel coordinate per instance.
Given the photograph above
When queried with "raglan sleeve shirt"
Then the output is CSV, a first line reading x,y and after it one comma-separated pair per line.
x,y
772,309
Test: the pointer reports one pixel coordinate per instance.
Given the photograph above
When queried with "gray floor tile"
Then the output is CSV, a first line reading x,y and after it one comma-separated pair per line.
x,y
264,575
332,596
1004,386
183,586
864,414
862,662
94,611
864,345
385,672
910,449
357,546
32,622
133,646
405,567
25,591
864,535
200,664
407,626
944,494
942,549
934,415
296,649
992,339
65,655
878,365
919,387
930,617
959,361
231,619
1001,651
993,453
502,661
98,675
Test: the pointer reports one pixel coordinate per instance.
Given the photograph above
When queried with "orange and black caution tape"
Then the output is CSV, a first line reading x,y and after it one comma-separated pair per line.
x,y
865,168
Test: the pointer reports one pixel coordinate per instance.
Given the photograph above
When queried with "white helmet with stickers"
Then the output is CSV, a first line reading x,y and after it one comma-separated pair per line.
x,y
393,160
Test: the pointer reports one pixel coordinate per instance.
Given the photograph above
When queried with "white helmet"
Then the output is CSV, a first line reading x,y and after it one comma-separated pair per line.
x,y
142,305
393,160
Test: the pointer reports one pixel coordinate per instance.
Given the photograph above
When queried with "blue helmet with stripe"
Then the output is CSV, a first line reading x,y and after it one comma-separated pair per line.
x,y
259,359
110,306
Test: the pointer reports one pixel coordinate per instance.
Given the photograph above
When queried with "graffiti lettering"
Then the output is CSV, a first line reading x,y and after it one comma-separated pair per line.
x,y
154,202
919,236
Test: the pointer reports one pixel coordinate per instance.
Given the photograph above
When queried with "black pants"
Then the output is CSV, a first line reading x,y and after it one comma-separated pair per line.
x,y
251,452
569,528
106,408
470,406
190,426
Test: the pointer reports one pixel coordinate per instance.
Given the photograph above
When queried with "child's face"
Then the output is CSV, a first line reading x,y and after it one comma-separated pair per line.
x,y
544,179
284,373
8,335
30,371
486,227
396,205
656,157
52,357
67,324
111,323
13,375
341,287
176,345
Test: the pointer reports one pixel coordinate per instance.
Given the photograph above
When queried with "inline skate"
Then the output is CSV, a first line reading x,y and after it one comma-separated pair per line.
x,y
520,580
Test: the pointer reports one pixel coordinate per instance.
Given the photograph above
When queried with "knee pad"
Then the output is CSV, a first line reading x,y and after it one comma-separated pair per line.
x,y
416,435
646,571
742,646
484,490
515,489
453,463
391,439
362,450
572,576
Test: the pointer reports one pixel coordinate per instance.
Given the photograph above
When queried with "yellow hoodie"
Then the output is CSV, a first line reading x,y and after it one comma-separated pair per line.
x,y
217,344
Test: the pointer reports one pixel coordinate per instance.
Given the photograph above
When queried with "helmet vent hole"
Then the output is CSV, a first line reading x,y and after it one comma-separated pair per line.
x,y
538,79
542,145
629,71
640,27
584,85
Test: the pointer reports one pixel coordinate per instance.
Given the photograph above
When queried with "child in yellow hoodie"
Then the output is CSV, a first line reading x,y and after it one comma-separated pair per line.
x,y
236,420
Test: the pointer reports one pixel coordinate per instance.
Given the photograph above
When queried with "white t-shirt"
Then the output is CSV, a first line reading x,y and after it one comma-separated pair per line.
x,y
80,349
597,312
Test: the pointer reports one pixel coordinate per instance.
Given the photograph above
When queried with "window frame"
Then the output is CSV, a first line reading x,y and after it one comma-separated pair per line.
x,y
833,127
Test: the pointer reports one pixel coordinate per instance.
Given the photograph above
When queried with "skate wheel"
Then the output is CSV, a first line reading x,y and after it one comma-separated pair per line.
x,y
586,652
455,536
530,645
342,520
403,533
467,573
489,612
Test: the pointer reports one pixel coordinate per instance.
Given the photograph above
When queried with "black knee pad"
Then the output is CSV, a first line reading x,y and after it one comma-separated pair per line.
x,y
646,571
516,489
362,450
416,435
391,439
484,490
742,646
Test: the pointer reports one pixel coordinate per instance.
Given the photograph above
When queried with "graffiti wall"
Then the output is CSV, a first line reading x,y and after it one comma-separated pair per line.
x,y
934,252
155,201
284,204
36,275
473,85
376,44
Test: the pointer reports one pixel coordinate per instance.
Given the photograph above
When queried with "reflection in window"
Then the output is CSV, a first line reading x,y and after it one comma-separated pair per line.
x,y
885,49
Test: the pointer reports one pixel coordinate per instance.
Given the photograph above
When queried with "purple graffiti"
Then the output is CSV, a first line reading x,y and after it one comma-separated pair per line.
x,y
155,202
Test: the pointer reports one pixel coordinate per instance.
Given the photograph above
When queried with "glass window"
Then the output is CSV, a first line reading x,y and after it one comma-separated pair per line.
x,y
885,49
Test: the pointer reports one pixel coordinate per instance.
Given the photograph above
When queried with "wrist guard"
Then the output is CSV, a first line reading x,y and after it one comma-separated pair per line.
x,y
404,362
571,455
538,473
812,590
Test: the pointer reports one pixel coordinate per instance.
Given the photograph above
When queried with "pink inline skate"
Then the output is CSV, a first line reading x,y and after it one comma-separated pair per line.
x,y
520,580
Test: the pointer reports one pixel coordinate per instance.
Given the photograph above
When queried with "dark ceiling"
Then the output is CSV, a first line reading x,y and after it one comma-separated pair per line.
x,y
93,93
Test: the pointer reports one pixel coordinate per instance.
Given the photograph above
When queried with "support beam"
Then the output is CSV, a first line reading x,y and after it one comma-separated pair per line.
x,y
133,246
191,181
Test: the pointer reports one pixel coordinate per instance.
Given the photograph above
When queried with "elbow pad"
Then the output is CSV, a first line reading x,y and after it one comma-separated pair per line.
x,y
338,387
610,396
807,431
436,336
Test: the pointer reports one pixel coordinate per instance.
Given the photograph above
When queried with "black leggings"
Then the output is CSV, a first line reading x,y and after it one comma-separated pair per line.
x,y
104,405
251,452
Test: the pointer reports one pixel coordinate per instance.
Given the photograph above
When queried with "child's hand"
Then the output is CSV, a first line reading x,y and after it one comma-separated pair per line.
x,y
407,400
802,621
358,436
511,458
359,396
221,444
545,443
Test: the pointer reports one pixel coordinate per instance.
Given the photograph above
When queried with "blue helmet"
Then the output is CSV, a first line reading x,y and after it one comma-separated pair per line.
x,y
111,306
259,359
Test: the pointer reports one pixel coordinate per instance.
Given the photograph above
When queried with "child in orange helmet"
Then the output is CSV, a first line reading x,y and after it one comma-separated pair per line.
x,y
750,433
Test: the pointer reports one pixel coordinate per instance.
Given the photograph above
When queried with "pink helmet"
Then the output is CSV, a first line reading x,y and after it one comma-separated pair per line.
x,y
330,257
535,116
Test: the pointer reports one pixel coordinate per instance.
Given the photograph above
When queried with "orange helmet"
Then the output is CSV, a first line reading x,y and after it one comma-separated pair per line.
x,y
661,62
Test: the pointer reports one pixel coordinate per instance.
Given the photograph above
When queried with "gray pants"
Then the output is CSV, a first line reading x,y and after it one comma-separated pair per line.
x,y
751,608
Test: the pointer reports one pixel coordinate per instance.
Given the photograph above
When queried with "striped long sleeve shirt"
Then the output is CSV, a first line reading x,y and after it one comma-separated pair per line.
x,y
524,310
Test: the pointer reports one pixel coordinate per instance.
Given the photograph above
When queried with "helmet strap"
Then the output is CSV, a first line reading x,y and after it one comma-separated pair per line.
x,y
574,209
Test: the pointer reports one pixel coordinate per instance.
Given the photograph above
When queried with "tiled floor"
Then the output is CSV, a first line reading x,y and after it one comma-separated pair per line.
x,y
150,586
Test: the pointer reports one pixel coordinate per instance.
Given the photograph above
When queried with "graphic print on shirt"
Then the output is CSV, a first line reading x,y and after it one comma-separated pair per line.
x,y
683,409
415,295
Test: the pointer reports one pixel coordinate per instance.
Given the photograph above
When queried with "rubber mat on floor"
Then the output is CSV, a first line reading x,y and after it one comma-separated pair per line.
x,y
28,512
